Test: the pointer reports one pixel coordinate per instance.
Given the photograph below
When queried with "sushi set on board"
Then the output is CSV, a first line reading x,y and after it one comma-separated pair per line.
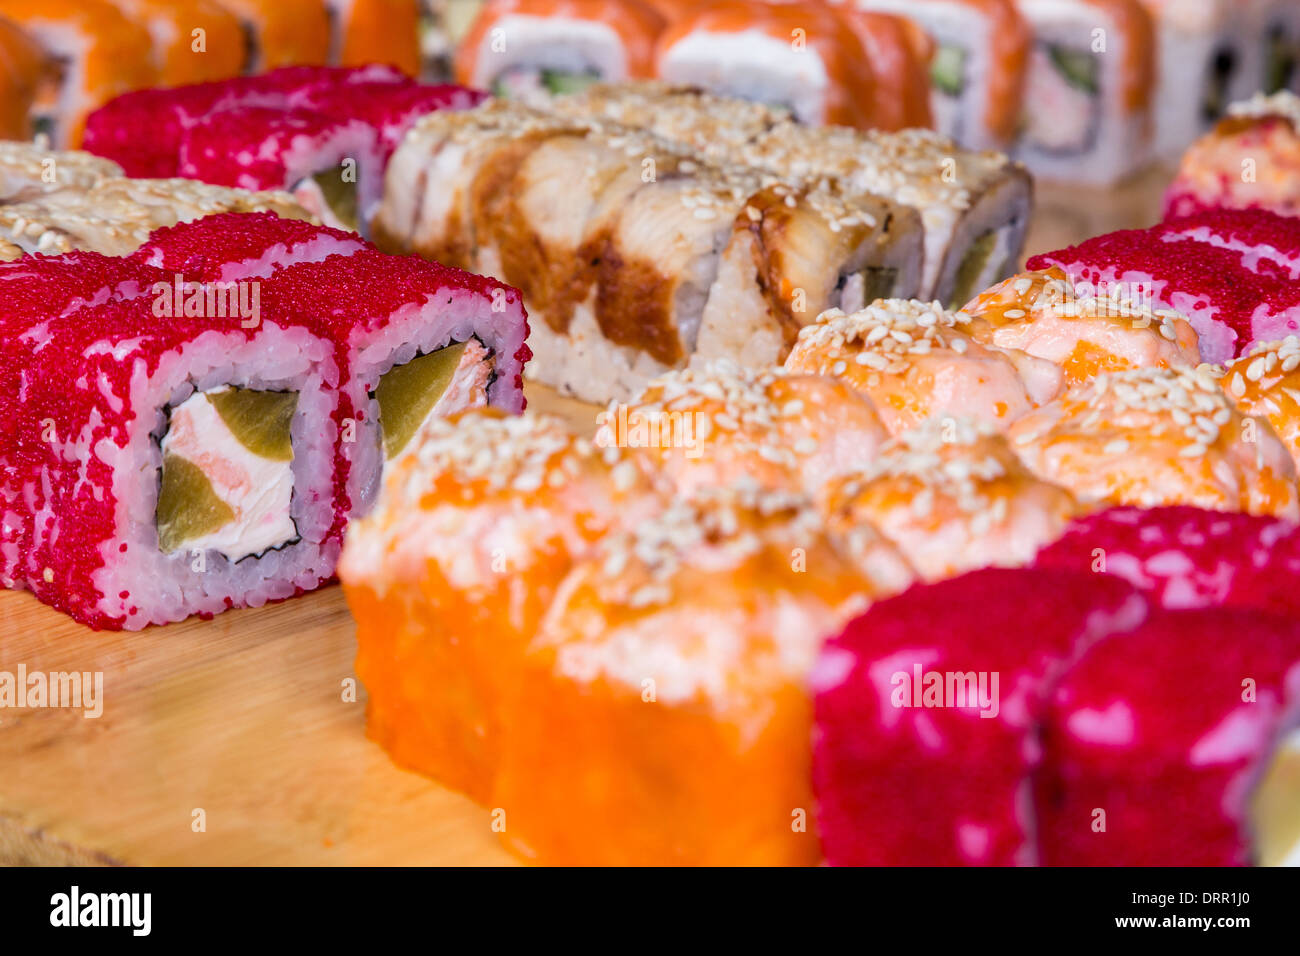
x,y
650,432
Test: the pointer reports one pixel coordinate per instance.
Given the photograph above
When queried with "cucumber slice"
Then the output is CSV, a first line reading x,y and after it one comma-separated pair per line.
x,y
971,268
560,83
948,70
340,195
878,283
1279,60
407,393
188,508
261,421
1079,67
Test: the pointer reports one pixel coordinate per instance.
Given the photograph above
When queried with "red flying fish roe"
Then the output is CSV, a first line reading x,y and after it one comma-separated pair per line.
x,y
1160,730
390,107
1187,557
1211,286
71,389
143,130
903,784
251,147
213,248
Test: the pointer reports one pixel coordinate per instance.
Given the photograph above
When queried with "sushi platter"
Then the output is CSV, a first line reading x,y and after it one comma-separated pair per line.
x,y
643,432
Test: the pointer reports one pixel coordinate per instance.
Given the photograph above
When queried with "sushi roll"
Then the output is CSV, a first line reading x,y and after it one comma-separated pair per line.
x,y
720,424
193,40
27,170
954,497
96,53
530,50
1268,244
1083,329
806,60
192,478
975,207
1089,90
333,168
282,32
1265,384
116,215
1153,437
900,53
1182,557
23,70
1274,25
1203,47
1169,757
1249,160
914,361
683,705
501,508
659,256
977,72
375,31
927,709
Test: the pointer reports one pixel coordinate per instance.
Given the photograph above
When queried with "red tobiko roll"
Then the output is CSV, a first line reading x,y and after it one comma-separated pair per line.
x,y
1187,557
390,108
926,710
1267,243
1156,739
1229,304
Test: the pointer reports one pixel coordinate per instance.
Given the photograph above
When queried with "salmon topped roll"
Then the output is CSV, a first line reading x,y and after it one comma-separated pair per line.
x,y
977,71
673,664
1085,330
375,31
1265,384
1251,159
23,70
193,40
1089,90
450,575
802,58
282,32
95,53
530,50
714,425
1153,437
915,362
954,497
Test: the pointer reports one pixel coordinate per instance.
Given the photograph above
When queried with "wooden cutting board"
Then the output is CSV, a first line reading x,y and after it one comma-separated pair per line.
x,y
234,741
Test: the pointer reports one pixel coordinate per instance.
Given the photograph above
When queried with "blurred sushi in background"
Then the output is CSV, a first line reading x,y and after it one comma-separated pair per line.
x,y
977,71
94,51
23,65
194,40
282,32
530,50
375,31
1088,95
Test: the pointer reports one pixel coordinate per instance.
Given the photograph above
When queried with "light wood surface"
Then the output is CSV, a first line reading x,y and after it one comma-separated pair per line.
x,y
244,717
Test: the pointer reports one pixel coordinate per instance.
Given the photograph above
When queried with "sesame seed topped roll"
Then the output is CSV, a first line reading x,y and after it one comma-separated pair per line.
x,y
1153,437
714,425
1265,383
673,664
1084,332
26,170
450,574
954,497
914,360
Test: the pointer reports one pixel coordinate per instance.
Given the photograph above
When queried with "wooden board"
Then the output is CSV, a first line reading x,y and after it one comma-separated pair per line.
x,y
244,717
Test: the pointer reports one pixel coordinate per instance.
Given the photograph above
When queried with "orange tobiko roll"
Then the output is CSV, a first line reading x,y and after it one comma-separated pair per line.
x,y
915,361
450,574
1079,328
663,715
720,423
1150,437
1265,384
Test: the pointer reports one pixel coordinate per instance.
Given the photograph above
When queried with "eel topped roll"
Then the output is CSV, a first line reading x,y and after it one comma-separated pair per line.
x,y
530,50
450,575
673,664
96,52
27,170
977,73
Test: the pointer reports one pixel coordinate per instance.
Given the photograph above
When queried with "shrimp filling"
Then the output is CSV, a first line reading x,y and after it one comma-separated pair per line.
x,y
226,482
